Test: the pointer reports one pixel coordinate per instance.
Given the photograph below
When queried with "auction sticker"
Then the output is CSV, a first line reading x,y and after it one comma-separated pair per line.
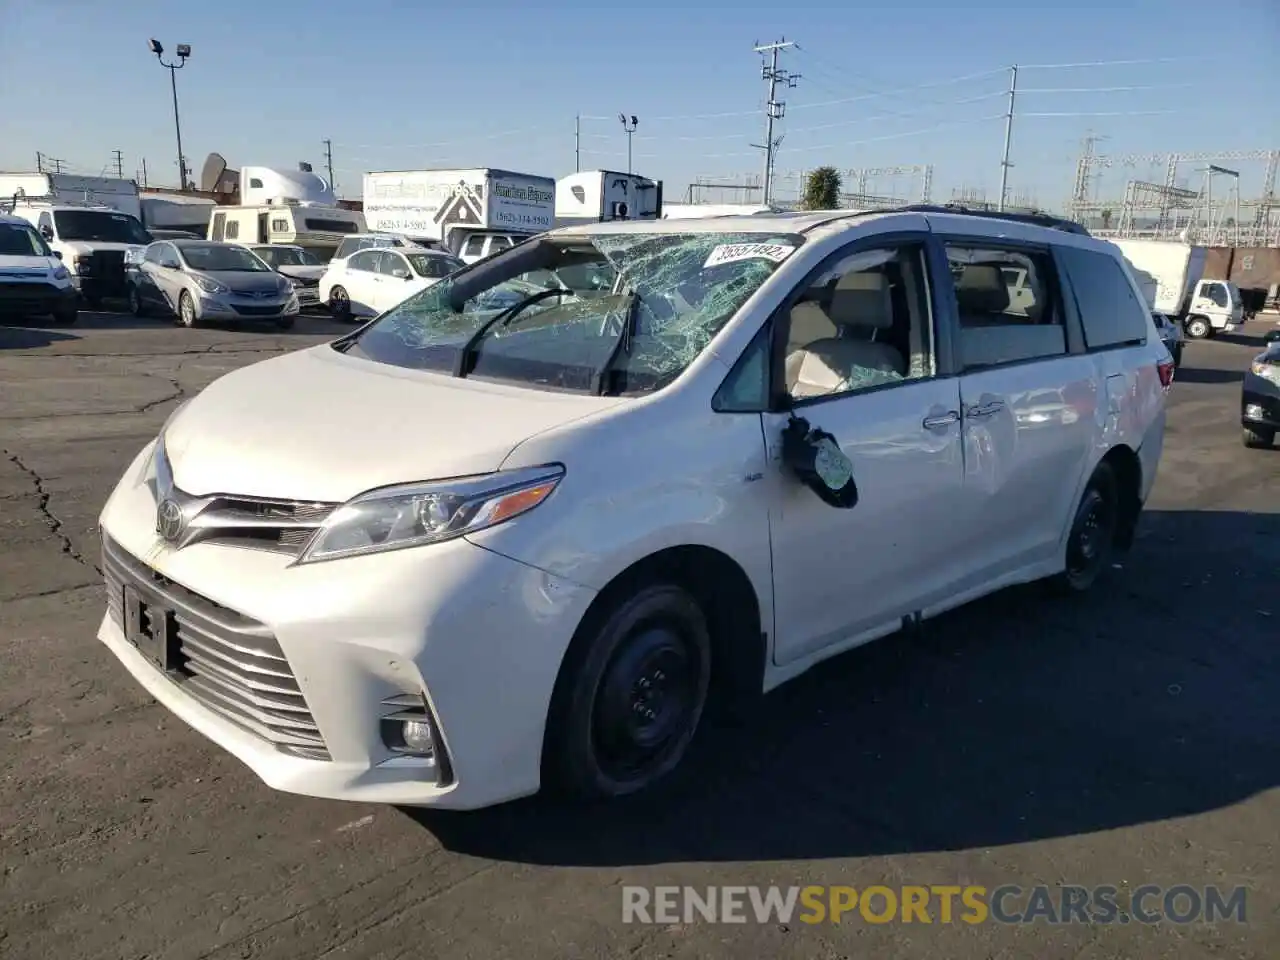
x,y
733,252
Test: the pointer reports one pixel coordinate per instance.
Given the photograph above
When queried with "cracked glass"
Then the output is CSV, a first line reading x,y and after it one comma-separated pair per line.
x,y
564,312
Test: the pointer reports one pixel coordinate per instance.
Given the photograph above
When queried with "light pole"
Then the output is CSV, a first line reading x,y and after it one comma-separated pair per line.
x,y
1209,173
630,128
183,51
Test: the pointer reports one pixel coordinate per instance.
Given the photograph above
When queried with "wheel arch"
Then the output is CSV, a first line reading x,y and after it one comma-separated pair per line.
x,y
722,588
1127,469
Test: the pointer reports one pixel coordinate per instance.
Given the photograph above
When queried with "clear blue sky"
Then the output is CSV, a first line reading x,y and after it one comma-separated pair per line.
x,y
399,85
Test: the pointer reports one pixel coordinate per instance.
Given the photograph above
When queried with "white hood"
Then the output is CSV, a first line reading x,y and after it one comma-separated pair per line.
x,y
89,246
320,425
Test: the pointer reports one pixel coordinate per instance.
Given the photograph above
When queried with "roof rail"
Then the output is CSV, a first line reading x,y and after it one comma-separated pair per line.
x,y
1037,218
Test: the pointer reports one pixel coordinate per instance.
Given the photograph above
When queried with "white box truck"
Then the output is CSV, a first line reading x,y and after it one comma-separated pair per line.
x,y
91,223
594,196
1204,307
473,212
110,192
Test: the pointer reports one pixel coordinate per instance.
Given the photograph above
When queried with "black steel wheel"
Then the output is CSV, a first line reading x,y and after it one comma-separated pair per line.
x,y
631,694
1093,533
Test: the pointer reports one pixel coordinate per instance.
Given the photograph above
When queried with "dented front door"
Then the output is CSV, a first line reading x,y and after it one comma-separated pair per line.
x,y
845,575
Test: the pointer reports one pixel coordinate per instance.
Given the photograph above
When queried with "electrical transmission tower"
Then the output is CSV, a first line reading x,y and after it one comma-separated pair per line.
x,y
328,156
774,109
117,159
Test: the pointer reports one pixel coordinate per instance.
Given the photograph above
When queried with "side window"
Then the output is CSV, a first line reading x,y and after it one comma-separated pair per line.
x,y
1110,310
233,229
475,247
279,225
499,243
392,264
1217,292
255,183
219,226
863,323
365,260
1008,305
154,253
746,389
45,224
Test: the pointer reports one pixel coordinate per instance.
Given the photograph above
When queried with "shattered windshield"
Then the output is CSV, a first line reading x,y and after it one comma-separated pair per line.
x,y
610,313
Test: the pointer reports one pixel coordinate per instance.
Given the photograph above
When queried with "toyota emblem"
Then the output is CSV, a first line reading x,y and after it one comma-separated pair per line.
x,y
169,520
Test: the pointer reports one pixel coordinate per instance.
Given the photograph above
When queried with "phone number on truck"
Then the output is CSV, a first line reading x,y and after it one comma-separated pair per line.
x,y
524,219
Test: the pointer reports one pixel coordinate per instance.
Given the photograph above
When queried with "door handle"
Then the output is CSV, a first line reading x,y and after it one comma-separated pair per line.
x,y
942,420
985,409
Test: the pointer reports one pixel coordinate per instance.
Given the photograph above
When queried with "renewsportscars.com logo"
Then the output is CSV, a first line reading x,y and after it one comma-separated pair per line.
x,y
945,904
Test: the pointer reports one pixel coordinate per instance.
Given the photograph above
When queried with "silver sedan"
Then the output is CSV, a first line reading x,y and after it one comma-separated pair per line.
x,y
201,280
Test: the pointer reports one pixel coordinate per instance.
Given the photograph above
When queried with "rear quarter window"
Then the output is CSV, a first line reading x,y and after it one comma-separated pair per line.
x,y
1110,310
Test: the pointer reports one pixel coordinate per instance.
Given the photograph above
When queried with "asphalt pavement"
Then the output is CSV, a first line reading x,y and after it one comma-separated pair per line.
x,y
1131,737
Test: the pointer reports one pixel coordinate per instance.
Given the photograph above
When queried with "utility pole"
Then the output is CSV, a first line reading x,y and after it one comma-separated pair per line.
x,y
39,162
1008,136
577,143
57,164
144,171
629,128
118,157
774,109
328,157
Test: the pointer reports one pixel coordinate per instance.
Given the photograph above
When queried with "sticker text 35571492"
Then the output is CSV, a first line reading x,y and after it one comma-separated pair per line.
x,y
733,252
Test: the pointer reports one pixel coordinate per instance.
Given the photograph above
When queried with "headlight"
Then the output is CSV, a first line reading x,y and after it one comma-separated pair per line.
x,y
210,286
285,284
1267,371
393,518
61,273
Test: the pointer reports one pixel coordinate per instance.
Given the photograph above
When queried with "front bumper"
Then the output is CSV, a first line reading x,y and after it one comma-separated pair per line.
x,y
38,298
231,307
1259,402
479,635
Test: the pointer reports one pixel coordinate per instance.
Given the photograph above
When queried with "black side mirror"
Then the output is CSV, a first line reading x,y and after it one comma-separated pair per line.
x,y
1272,336
46,232
58,254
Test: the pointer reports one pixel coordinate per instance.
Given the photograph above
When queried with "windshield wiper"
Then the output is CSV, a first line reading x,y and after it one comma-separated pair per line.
x,y
467,353
622,345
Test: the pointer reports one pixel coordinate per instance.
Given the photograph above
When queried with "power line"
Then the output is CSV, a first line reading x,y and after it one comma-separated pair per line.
x,y
1112,63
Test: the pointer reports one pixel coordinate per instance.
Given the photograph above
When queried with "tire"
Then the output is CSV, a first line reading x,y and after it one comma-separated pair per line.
x,y
1258,438
340,305
285,323
1093,533
65,316
92,300
187,311
1198,328
136,306
630,695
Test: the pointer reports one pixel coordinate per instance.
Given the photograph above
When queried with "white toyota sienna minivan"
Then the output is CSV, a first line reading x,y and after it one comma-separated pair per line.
x,y
528,526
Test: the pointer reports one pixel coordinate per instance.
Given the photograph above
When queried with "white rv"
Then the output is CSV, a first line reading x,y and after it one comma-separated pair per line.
x,y
284,206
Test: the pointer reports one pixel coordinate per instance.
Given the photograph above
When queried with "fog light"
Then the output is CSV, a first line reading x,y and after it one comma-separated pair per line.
x,y
418,737
411,732
1253,411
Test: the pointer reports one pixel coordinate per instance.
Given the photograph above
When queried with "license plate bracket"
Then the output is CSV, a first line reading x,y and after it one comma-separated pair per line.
x,y
151,629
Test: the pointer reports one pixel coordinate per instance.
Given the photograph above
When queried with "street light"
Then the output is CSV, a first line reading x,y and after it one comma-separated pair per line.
x,y
630,128
183,51
1209,174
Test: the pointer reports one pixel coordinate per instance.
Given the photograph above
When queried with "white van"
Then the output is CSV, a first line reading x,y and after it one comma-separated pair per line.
x,y
529,525
33,281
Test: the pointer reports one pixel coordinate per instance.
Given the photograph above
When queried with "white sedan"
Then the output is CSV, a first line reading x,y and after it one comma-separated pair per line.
x,y
373,281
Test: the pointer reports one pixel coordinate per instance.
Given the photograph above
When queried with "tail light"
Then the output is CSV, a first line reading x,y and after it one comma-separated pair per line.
x,y
1165,369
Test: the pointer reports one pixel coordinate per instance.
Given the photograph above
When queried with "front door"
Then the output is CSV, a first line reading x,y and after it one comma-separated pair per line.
x,y
860,365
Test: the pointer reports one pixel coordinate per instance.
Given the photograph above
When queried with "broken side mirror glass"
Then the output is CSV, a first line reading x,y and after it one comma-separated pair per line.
x,y
816,460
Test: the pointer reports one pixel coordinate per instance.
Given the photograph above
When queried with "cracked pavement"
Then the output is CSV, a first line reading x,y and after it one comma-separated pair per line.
x,y
1131,737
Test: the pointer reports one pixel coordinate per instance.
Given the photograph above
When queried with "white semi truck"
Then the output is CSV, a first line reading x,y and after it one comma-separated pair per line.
x,y
1204,307
472,212
594,196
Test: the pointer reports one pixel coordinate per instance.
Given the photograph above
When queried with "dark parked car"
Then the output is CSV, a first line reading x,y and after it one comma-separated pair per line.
x,y
1260,396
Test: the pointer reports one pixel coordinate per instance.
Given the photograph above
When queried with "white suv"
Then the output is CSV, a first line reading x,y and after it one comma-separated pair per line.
x,y
524,528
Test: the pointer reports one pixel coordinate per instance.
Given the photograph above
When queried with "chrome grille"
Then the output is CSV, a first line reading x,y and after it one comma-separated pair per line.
x,y
229,662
